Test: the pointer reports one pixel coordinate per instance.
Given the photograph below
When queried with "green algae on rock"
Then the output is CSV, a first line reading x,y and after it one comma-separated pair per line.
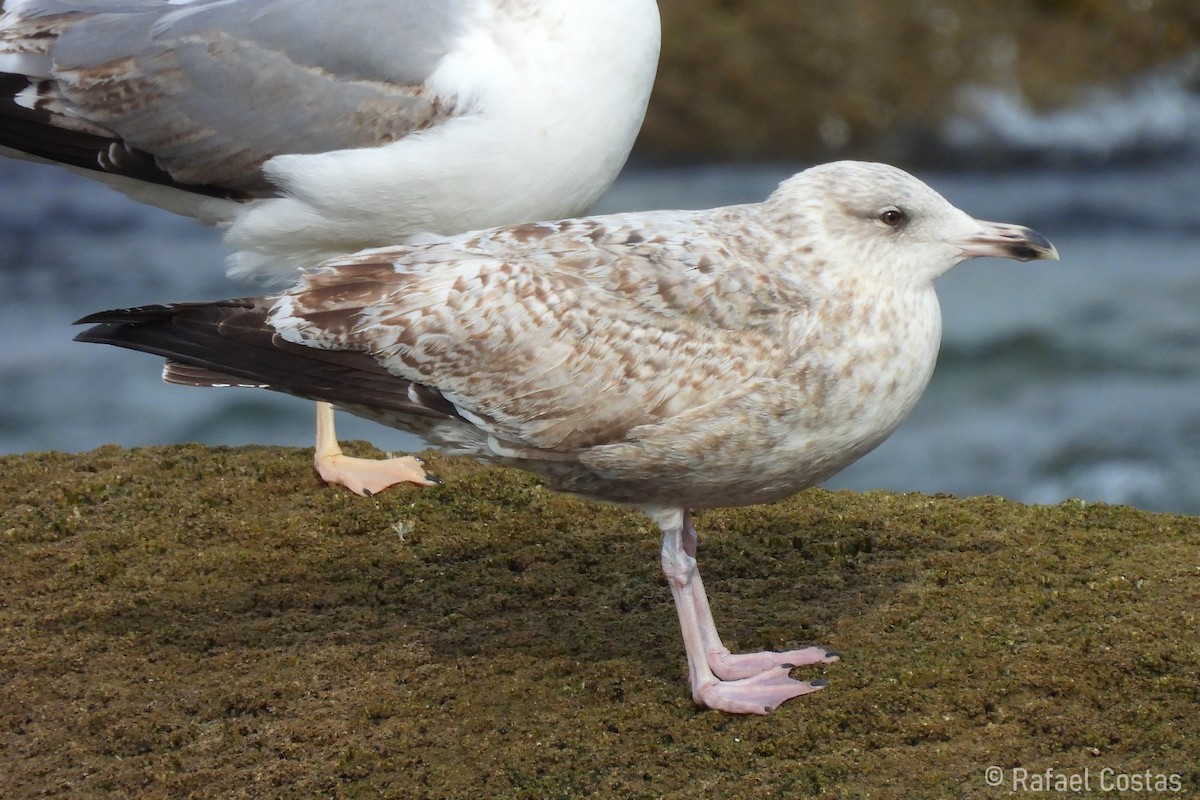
x,y
187,621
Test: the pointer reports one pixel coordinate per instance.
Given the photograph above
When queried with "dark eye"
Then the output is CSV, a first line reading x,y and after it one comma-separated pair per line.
x,y
893,217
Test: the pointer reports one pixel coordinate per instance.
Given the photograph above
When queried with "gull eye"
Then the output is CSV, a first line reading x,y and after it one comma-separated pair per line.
x,y
893,217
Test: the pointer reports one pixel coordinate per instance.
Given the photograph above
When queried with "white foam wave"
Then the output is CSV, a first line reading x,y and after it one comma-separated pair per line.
x,y
1155,114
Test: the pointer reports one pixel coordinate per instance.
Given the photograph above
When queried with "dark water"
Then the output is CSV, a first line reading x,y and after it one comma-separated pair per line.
x,y
1076,379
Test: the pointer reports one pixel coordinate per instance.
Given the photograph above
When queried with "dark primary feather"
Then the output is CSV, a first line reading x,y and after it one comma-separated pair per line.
x,y
39,133
230,342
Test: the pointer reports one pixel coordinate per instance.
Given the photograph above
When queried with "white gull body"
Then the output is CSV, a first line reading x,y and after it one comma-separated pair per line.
x,y
670,360
309,128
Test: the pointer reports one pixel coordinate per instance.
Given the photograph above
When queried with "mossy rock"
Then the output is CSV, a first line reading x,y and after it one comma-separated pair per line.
x,y
195,622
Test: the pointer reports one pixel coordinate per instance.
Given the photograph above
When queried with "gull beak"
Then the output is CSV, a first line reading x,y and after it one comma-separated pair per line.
x,y
1008,241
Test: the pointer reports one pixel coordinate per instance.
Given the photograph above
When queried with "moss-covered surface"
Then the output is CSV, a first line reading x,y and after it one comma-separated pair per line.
x,y
194,622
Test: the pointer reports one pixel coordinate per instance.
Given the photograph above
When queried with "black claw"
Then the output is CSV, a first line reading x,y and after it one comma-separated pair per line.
x,y
367,492
832,653
433,478
819,683
788,666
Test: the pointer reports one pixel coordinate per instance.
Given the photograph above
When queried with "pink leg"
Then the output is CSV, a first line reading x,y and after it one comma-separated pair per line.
x,y
753,683
730,666
364,476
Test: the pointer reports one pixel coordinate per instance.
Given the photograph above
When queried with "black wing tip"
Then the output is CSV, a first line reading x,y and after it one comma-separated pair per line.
x,y
126,316
156,313
97,334
37,133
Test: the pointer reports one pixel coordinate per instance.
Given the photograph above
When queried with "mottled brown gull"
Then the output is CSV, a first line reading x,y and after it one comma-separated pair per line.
x,y
312,129
672,360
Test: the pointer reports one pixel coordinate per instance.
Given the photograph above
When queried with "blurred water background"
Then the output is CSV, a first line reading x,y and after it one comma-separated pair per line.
x,y
1056,380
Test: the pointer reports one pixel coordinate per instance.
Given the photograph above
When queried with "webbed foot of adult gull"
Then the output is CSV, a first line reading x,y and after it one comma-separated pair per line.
x,y
368,476
363,476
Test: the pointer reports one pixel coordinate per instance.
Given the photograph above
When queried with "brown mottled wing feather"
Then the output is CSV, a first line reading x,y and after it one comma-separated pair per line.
x,y
557,346
555,337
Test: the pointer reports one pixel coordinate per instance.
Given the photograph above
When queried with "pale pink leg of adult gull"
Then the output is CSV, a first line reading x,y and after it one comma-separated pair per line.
x,y
747,683
364,476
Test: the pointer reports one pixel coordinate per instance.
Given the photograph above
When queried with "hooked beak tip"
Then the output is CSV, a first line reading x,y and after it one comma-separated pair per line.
x,y
1036,247
1009,241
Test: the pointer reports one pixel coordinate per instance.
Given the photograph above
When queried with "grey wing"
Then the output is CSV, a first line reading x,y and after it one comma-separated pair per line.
x,y
208,90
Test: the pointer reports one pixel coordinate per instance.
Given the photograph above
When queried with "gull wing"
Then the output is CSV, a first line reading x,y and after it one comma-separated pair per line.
x,y
204,92
553,336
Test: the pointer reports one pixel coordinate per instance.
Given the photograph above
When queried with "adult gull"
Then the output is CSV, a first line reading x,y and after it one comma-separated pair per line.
x,y
670,360
307,129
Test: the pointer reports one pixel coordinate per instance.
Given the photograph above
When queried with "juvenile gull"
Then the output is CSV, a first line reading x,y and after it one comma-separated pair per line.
x,y
308,129
671,360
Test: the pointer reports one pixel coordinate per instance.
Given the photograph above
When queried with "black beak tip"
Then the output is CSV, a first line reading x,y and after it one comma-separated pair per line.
x,y
1034,247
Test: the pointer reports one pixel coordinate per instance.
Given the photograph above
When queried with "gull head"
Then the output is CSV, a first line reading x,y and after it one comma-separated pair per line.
x,y
875,220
